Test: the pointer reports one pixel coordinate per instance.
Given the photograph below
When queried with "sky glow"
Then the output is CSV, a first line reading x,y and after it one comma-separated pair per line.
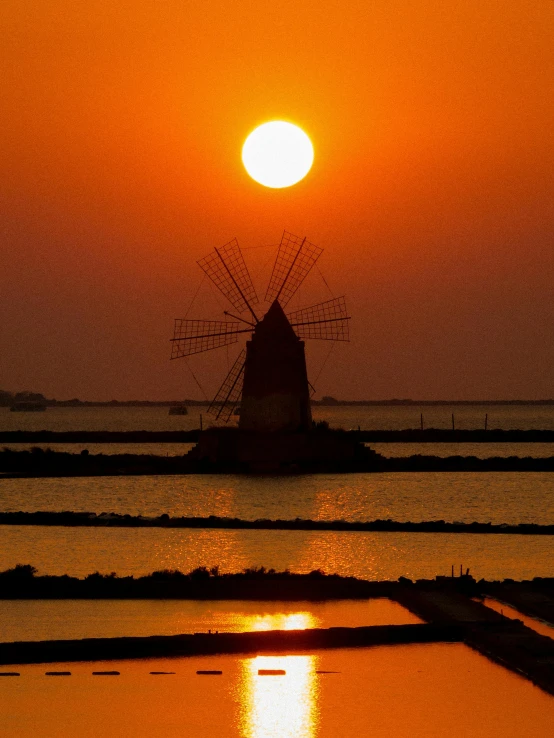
x,y
121,129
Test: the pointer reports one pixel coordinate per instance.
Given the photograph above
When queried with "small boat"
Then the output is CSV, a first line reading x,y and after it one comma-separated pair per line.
x,y
28,407
178,410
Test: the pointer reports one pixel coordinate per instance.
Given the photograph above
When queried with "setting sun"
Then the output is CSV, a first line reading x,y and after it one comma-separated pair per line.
x,y
277,154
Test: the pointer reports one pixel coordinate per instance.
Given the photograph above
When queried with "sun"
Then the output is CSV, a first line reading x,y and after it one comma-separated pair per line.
x,y
277,154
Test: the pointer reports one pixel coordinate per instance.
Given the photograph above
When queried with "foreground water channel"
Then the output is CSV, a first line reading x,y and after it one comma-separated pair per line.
x,y
406,691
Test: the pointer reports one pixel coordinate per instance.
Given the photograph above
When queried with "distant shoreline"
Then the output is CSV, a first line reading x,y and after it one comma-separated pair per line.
x,y
407,435
326,402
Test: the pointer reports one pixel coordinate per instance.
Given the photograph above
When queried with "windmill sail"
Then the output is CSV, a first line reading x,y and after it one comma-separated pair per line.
x,y
228,395
295,258
197,336
269,378
228,271
326,320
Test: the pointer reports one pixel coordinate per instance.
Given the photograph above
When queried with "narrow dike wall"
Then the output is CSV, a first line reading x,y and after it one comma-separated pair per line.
x,y
106,520
202,644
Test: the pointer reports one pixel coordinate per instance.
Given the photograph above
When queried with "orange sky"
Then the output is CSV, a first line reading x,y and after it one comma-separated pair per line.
x,y
121,125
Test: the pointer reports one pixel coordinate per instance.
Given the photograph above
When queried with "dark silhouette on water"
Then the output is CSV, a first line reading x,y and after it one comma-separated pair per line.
x,y
268,381
224,451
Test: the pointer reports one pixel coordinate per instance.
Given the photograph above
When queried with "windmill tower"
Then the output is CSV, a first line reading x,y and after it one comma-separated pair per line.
x,y
268,380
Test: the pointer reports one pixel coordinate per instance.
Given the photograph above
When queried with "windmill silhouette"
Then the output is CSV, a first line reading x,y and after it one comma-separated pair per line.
x,y
268,380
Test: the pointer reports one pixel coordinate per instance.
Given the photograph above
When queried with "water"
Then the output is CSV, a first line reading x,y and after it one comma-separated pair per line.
x,y
420,691
375,556
407,691
109,449
101,419
539,626
397,417
30,620
495,497
504,497
480,450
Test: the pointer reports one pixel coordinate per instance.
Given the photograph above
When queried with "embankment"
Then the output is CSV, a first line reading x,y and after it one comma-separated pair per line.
x,y
38,462
117,520
204,644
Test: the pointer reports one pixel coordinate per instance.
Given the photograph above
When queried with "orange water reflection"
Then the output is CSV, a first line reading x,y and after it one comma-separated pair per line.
x,y
282,706
278,621
539,626
415,691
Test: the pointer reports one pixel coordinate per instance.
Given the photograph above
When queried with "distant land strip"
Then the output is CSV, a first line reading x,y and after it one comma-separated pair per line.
x,y
7,399
117,520
408,435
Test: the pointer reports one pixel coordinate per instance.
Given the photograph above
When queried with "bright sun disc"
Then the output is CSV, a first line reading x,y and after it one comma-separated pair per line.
x,y
277,154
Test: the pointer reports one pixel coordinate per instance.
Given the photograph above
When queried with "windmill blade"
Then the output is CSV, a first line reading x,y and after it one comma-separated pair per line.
x,y
228,271
196,336
326,320
229,393
295,258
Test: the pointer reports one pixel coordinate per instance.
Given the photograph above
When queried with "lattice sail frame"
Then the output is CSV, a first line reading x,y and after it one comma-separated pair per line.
x,y
327,321
196,336
230,392
227,269
295,258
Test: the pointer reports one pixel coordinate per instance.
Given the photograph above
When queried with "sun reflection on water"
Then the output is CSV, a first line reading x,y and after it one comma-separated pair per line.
x,y
279,706
278,621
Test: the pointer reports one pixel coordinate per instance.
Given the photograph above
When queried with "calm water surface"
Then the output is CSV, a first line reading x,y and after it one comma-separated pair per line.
x,y
375,556
109,449
36,620
480,450
367,418
504,497
539,626
406,692
418,691
496,497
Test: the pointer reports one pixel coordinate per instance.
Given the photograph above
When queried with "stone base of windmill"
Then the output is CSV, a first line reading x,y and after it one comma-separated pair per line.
x,y
231,449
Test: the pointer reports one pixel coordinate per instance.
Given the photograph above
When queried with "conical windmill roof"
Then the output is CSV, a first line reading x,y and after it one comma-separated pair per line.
x,y
275,394
275,325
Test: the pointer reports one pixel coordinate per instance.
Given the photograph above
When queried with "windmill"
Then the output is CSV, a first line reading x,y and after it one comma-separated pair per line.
x,y
268,380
